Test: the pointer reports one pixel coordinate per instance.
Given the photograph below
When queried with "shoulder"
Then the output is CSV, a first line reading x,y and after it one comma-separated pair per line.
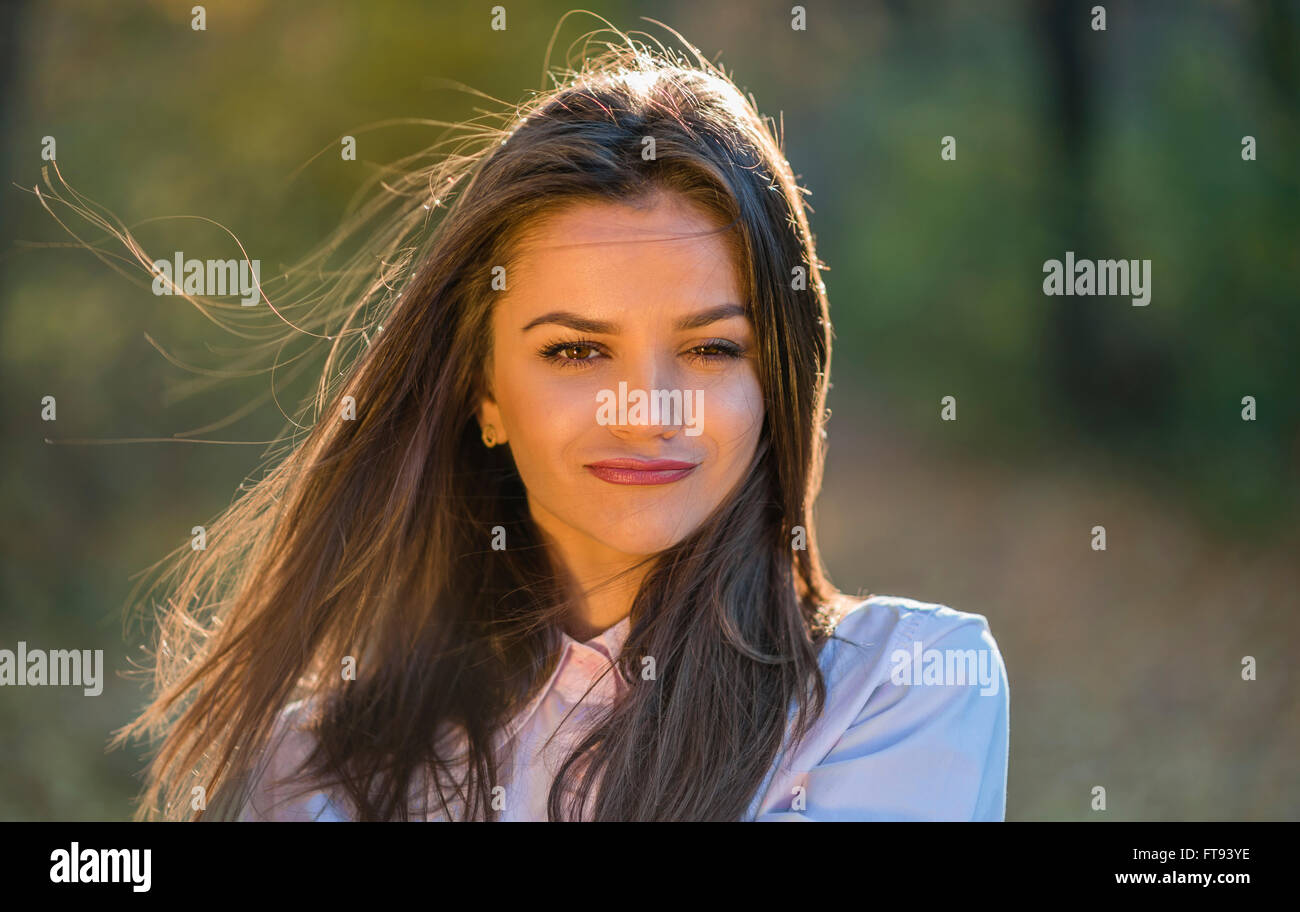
x,y
278,791
869,636
915,725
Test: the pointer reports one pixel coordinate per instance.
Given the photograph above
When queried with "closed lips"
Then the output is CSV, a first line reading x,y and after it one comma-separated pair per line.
x,y
641,471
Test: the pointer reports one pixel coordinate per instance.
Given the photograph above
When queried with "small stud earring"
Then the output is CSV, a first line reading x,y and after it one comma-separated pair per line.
x,y
489,435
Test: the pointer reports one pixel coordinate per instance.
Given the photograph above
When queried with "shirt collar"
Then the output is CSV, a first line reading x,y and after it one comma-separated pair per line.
x,y
610,642
579,665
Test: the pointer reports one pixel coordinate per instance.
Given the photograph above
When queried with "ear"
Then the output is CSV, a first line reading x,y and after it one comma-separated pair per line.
x,y
490,413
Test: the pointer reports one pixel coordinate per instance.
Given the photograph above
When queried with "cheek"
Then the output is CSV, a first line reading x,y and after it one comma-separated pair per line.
x,y
733,415
544,413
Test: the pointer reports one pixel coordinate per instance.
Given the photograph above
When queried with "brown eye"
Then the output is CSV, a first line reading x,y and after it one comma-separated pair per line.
x,y
575,354
715,352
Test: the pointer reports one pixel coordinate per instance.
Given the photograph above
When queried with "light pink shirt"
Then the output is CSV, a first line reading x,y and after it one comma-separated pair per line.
x,y
915,727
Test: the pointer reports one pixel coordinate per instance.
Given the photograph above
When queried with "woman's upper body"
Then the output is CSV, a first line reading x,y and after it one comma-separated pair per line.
x,y
581,383
915,727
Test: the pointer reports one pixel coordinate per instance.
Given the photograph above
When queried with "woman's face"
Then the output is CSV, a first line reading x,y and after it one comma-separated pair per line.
x,y
624,374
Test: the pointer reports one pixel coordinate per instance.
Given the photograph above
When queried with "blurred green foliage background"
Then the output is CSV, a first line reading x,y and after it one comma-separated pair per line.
x,y
1072,411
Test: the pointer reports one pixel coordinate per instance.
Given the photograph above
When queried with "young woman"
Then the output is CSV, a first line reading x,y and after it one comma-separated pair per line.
x,y
547,549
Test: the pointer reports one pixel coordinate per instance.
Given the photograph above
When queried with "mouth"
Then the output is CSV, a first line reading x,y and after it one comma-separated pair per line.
x,y
625,471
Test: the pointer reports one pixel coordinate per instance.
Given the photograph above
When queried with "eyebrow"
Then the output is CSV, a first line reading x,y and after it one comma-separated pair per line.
x,y
588,325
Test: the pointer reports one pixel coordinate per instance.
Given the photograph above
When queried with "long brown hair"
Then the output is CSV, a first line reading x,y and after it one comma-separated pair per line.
x,y
368,538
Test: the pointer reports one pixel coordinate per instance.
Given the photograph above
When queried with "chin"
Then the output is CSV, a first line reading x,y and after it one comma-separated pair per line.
x,y
643,541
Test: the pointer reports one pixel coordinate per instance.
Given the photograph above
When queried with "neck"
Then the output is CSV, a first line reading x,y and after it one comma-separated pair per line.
x,y
602,597
603,582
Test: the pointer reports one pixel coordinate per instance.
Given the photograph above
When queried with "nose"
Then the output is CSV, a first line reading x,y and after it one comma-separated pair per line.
x,y
649,401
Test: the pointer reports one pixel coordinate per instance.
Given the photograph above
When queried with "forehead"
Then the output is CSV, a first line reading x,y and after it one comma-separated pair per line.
x,y
664,251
